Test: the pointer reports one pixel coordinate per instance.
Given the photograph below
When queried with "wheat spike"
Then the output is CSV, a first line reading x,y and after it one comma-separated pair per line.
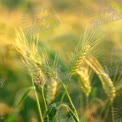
x,y
84,74
31,57
36,73
51,89
107,83
88,45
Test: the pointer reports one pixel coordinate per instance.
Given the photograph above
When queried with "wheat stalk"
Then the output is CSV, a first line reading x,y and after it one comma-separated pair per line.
x,y
32,60
107,83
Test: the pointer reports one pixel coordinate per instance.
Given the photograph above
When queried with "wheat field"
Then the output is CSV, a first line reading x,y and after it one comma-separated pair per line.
x,y
60,61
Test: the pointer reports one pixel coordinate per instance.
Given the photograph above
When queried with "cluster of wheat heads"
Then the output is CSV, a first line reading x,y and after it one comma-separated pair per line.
x,y
89,49
44,74
38,67
83,66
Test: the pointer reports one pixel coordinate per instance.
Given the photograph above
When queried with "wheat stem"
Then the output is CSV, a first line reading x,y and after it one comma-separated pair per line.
x,y
45,105
38,104
87,102
112,111
106,112
70,100
62,97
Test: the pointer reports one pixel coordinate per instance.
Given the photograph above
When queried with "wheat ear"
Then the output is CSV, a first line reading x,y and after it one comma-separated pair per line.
x,y
104,78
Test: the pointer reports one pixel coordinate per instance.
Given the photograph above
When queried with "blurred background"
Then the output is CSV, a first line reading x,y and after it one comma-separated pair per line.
x,y
59,25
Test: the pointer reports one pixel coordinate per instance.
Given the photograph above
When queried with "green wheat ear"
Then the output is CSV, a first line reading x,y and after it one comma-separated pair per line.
x,y
89,44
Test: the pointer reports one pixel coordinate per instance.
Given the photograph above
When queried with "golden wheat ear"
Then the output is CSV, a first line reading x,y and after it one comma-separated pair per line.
x,y
84,73
117,78
106,82
28,49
